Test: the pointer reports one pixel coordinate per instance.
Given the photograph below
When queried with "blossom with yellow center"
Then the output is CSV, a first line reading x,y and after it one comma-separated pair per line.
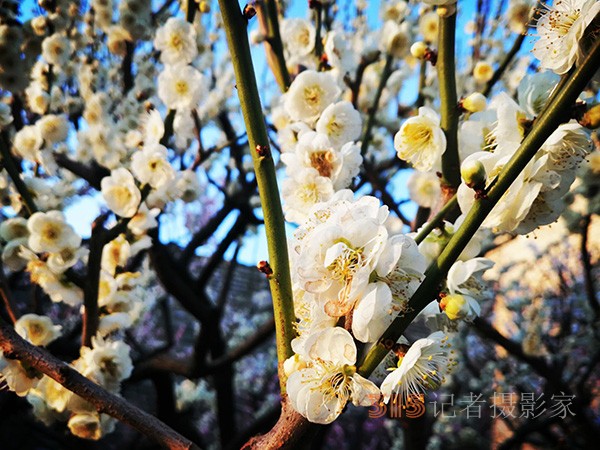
x,y
420,140
49,232
424,366
176,40
320,390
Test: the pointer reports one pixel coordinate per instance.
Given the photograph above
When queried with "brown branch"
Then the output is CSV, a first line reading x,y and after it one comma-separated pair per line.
x,y
174,279
237,230
290,430
15,347
91,315
128,79
6,295
379,185
183,366
14,172
488,331
265,421
504,64
205,232
587,267
93,173
354,85
163,9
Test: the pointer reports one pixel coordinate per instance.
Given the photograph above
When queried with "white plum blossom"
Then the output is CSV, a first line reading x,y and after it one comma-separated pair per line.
x,y
120,193
144,220
374,312
176,41
107,362
424,366
321,390
535,90
338,258
151,166
420,140
429,24
13,228
298,36
56,49
153,126
560,28
16,377
27,143
340,122
424,188
339,50
310,93
181,87
49,232
53,128
302,190
395,39
290,135
39,330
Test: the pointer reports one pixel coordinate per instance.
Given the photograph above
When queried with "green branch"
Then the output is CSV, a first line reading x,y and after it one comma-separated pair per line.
x,y
449,103
437,220
280,280
553,115
269,17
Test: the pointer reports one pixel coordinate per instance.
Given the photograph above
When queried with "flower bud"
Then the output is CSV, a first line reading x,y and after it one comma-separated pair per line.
x,y
483,72
455,306
473,173
85,426
446,9
474,103
591,118
418,49
204,7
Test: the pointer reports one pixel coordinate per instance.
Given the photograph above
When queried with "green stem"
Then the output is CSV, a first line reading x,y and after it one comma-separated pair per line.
x,y
449,103
437,220
368,130
280,280
14,173
274,40
544,126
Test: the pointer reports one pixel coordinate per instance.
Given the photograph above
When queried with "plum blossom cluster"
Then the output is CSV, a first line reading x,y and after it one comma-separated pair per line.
x,y
349,269
538,195
318,142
